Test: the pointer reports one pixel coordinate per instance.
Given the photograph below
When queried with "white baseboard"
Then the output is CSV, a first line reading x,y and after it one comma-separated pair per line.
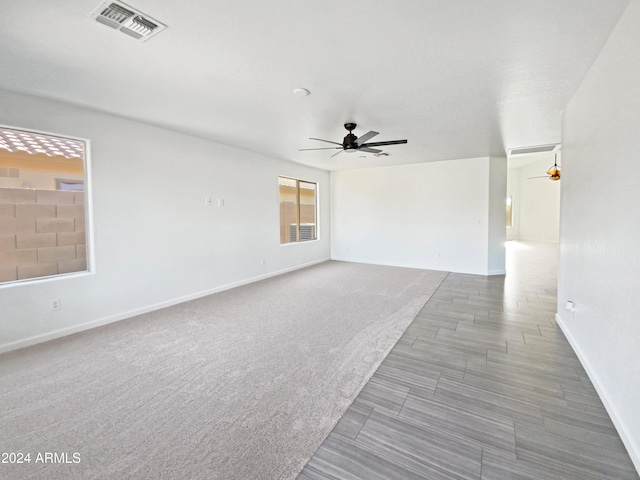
x,y
63,332
629,443
497,272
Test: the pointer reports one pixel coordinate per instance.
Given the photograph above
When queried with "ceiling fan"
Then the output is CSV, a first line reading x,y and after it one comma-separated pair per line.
x,y
351,143
553,173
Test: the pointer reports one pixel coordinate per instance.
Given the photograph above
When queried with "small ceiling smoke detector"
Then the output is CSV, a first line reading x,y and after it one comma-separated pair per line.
x,y
134,23
551,148
301,92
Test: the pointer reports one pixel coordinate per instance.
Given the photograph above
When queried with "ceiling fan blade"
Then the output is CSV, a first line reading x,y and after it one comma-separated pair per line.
x,y
381,144
328,141
369,150
543,176
337,153
366,137
323,148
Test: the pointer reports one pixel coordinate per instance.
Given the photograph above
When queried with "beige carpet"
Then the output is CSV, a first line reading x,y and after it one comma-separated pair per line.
x,y
244,384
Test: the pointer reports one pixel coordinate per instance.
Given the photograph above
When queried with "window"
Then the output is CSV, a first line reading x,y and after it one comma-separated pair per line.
x,y
509,211
43,228
298,199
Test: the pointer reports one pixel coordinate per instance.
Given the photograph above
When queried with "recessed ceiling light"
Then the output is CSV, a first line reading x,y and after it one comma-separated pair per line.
x,y
301,92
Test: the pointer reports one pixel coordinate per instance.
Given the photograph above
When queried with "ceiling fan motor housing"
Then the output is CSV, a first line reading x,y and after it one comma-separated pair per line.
x,y
349,142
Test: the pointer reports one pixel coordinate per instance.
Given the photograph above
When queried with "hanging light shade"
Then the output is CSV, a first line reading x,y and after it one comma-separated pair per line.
x,y
554,172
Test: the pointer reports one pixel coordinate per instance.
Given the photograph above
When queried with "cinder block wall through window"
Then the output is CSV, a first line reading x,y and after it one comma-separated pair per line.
x,y
42,233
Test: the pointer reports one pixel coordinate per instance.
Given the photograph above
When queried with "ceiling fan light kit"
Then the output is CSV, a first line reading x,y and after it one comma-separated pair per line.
x,y
553,173
351,143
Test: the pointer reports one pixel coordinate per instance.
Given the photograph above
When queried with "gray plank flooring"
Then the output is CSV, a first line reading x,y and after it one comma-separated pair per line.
x,y
482,385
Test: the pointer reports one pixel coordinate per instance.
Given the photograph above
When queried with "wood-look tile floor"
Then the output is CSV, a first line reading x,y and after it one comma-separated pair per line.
x,y
482,385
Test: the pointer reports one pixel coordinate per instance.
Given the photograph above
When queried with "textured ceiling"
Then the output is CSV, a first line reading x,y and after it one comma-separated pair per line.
x,y
458,79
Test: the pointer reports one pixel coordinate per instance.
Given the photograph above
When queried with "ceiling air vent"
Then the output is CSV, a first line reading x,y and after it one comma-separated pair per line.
x,y
552,148
128,20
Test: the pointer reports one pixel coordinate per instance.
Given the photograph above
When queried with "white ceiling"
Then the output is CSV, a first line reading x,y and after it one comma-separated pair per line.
x,y
457,78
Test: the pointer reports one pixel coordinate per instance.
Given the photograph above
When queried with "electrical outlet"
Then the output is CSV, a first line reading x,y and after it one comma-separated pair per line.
x,y
56,305
264,261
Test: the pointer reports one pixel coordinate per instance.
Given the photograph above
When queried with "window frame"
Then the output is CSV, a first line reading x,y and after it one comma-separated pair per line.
x,y
88,212
316,210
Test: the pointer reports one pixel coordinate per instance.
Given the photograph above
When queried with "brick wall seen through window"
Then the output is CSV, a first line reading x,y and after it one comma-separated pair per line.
x,y
43,228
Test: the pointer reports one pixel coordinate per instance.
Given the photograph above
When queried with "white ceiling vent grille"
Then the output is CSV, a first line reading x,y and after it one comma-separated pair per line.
x,y
128,20
552,148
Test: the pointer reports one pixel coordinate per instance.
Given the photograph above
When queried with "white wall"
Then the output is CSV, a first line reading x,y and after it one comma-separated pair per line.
x,y
539,204
431,215
156,242
536,203
599,265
